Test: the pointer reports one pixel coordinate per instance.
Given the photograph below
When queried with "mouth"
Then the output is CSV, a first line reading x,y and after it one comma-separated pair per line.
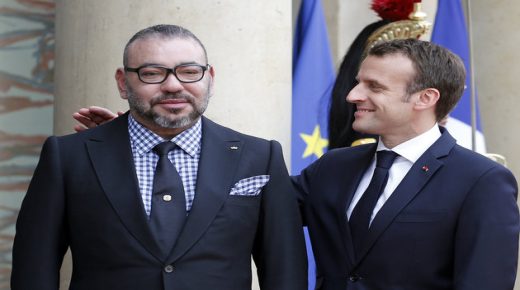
x,y
364,110
360,112
173,103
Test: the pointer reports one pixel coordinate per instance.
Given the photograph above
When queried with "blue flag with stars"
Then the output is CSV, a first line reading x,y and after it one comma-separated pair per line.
x,y
450,32
313,79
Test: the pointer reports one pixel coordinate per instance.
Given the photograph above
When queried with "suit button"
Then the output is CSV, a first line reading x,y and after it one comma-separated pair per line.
x,y
167,197
354,278
168,269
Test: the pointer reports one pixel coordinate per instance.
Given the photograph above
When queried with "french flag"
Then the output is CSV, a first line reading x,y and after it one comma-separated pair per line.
x,y
450,31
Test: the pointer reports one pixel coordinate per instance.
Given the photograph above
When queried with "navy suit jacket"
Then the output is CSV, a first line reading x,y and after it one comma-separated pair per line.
x,y
452,223
84,194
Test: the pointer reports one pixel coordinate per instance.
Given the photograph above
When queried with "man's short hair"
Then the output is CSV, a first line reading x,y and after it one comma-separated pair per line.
x,y
435,67
164,31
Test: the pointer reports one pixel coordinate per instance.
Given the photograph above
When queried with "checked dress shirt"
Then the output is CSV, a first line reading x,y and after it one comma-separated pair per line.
x,y
185,158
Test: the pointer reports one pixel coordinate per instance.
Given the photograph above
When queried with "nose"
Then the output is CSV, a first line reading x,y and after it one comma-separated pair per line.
x,y
172,84
355,95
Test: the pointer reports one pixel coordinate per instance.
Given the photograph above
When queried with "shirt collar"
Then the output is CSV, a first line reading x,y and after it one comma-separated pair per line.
x,y
145,140
415,147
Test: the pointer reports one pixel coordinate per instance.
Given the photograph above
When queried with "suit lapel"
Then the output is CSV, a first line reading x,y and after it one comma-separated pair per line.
x,y
414,181
111,155
219,159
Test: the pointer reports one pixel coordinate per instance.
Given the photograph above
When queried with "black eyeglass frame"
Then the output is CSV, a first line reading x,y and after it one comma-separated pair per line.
x,y
168,72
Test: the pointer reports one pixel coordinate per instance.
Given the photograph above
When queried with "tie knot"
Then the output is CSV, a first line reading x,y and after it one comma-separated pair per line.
x,y
385,158
163,148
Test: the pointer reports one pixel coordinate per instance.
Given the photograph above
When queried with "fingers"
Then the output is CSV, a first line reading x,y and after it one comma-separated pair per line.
x,y
79,128
92,116
101,114
84,119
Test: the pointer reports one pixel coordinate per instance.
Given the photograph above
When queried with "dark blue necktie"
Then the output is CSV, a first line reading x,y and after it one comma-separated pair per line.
x,y
360,218
168,200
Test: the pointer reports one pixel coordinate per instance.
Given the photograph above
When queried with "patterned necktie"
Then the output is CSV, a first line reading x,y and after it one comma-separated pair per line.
x,y
168,200
360,218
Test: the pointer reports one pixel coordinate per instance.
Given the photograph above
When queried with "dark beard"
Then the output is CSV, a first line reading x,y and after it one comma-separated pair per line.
x,y
148,114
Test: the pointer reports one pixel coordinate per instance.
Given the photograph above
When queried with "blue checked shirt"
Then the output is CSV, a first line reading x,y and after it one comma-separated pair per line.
x,y
185,158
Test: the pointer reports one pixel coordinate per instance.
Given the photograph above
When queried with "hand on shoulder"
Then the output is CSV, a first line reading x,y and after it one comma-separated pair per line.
x,y
92,117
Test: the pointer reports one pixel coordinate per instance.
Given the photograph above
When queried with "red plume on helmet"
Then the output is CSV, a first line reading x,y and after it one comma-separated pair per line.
x,y
393,10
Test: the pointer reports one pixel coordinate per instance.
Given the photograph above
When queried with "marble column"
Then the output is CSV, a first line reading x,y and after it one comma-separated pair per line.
x,y
497,67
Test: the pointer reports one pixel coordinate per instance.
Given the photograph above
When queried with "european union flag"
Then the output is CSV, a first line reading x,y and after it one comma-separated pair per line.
x,y
450,32
313,78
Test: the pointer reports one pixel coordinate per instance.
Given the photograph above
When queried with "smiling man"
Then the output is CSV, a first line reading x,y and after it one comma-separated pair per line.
x,y
161,197
416,210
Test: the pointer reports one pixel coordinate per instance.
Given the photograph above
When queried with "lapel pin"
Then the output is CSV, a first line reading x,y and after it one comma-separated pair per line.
x,y
425,168
233,147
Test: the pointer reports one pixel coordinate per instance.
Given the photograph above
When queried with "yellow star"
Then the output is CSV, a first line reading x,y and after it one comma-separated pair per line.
x,y
315,143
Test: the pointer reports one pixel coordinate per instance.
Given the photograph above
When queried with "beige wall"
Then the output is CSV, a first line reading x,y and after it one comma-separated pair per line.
x,y
497,67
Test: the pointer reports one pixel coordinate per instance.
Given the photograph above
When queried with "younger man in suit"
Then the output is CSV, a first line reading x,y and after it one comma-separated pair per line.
x,y
440,217
161,197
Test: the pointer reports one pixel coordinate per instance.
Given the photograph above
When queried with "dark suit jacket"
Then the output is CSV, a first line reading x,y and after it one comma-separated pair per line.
x,y
84,194
452,223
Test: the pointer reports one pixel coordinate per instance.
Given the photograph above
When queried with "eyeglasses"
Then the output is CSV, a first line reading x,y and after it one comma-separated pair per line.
x,y
154,74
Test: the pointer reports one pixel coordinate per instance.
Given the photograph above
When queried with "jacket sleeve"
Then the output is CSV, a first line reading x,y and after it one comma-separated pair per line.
x,y
40,241
279,250
486,242
302,184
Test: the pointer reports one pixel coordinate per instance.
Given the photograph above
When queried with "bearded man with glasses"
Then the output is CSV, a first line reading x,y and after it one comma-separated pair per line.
x,y
161,197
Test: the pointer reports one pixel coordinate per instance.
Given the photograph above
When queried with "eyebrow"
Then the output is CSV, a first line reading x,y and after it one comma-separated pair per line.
x,y
162,65
150,64
377,84
373,82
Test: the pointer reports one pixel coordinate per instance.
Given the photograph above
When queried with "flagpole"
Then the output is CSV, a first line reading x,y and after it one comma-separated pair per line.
x,y
473,96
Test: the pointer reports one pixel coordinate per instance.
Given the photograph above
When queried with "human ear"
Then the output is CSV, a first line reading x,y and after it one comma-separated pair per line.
x,y
427,98
120,77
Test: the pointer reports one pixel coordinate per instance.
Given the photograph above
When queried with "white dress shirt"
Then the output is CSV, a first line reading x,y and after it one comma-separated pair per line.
x,y
409,152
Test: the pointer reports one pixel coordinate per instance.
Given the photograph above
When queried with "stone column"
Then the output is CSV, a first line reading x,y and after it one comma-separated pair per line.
x,y
248,42
497,66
